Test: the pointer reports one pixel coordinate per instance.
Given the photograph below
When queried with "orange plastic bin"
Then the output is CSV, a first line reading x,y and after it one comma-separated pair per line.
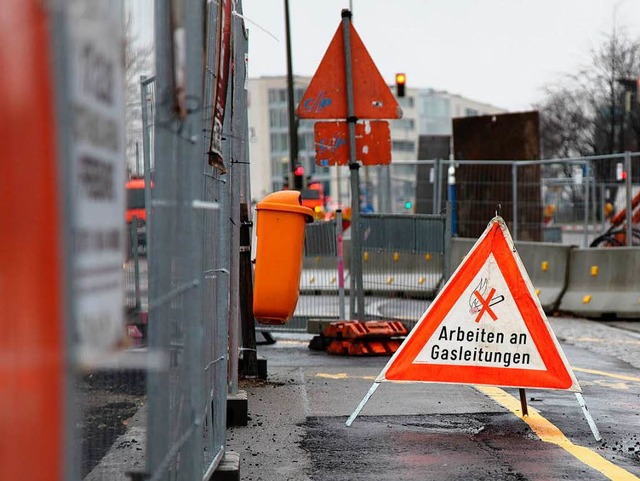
x,y
280,245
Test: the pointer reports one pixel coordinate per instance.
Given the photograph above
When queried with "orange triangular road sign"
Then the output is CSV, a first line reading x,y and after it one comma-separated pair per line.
x,y
326,97
486,326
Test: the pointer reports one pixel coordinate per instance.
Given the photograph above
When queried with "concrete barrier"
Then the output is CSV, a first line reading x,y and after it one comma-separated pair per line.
x,y
604,282
385,273
410,274
320,274
590,282
546,264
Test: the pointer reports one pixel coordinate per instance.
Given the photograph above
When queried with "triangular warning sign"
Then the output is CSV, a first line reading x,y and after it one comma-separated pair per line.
x,y
486,326
326,97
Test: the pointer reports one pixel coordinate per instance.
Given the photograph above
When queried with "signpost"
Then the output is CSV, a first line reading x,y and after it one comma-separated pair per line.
x,y
348,87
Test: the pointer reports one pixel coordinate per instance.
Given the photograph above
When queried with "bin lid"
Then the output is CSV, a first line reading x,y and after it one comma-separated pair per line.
x,y
286,201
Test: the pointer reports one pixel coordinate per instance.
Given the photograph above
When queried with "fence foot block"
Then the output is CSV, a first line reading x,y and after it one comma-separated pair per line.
x,y
319,343
260,369
228,469
237,409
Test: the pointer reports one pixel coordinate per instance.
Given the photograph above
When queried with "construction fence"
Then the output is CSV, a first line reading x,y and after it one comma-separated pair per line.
x,y
405,261
562,201
569,201
159,409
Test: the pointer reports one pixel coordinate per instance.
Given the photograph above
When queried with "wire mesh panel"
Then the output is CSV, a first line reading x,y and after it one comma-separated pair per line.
x,y
548,200
319,281
404,264
403,255
189,261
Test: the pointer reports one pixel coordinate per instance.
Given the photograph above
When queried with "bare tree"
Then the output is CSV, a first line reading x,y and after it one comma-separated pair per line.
x,y
586,114
564,107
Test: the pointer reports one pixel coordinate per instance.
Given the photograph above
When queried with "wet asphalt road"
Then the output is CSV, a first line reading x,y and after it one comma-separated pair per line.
x,y
436,431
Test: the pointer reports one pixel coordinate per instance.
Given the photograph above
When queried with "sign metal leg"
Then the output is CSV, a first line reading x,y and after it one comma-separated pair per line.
x,y
355,413
587,415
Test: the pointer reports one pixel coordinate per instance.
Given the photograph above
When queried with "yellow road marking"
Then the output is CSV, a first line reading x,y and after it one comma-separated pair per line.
x,y
622,377
549,433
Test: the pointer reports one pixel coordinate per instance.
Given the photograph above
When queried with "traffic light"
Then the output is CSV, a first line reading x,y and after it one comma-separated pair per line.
x,y
400,81
298,177
407,205
621,174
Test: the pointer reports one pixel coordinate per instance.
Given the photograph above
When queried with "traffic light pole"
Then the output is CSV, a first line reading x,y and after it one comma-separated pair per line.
x,y
356,293
293,128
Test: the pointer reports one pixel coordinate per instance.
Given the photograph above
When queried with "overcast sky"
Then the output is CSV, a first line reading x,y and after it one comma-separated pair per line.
x,y
501,52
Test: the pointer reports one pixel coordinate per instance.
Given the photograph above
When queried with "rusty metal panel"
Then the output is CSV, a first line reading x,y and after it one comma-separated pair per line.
x,y
373,143
480,188
431,179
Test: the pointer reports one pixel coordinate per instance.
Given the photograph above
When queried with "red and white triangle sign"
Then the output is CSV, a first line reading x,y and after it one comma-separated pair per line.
x,y
486,326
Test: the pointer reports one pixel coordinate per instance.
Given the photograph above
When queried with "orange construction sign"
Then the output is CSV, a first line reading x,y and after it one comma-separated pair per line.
x,y
486,326
326,96
32,382
373,143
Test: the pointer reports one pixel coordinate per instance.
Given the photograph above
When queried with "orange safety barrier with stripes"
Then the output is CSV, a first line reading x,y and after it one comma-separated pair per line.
x,y
371,338
369,329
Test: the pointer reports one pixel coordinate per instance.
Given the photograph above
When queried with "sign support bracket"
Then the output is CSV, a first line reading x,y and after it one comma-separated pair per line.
x,y
523,402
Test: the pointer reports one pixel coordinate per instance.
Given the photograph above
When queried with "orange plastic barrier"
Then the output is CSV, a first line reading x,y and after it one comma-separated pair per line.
x,y
364,347
280,246
365,330
370,338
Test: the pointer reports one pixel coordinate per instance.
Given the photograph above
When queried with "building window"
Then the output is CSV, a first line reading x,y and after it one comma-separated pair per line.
x,y
278,118
403,145
277,96
306,125
437,107
306,141
403,124
279,142
408,102
470,112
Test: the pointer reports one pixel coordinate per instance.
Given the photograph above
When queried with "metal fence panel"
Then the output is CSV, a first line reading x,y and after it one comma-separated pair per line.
x,y
571,201
320,239
189,265
404,259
